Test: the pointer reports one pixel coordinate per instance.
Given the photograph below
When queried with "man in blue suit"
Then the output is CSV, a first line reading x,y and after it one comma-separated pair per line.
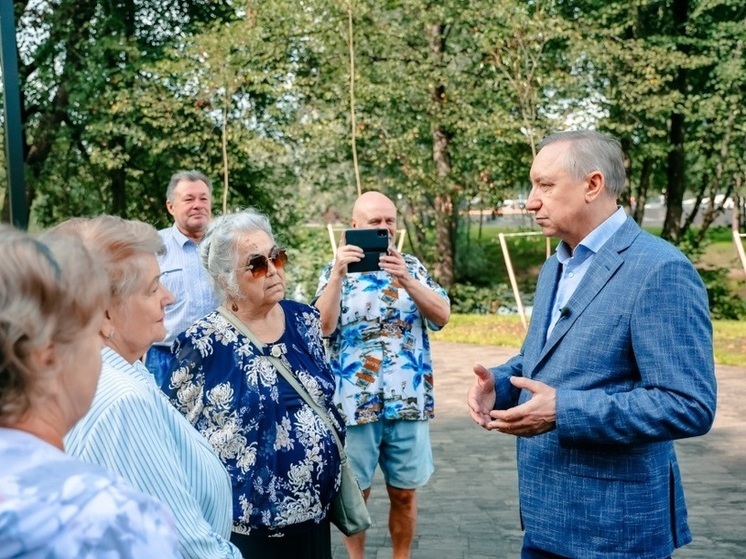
x,y
616,365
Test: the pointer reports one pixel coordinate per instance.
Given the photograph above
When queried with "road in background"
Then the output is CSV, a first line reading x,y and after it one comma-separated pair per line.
x,y
655,213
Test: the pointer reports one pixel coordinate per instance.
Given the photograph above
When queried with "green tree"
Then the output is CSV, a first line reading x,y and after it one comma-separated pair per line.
x,y
437,118
450,100
78,61
668,78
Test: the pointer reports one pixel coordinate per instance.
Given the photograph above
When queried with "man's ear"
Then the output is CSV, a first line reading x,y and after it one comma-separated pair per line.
x,y
595,187
170,207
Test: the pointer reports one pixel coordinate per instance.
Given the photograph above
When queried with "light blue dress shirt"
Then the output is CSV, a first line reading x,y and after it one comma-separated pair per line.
x,y
185,277
576,263
132,430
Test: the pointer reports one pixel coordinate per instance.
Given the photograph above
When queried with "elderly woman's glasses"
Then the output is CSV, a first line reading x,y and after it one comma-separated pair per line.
x,y
259,264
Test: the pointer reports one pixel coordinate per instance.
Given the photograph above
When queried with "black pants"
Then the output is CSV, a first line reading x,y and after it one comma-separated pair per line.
x,y
314,543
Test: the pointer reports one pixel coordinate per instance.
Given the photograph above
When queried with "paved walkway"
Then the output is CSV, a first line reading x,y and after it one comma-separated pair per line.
x,y
469,510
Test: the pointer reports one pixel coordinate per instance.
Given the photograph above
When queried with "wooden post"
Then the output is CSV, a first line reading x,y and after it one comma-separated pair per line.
x,y
402,235
332,240
737,235
513,282
739,247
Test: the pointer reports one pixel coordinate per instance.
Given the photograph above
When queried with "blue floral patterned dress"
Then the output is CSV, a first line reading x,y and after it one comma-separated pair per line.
x,y
282,458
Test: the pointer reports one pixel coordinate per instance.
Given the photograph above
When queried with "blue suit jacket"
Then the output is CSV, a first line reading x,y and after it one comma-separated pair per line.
x,y
633,368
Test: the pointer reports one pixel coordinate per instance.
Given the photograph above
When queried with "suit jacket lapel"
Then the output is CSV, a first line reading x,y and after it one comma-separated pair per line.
x,y
604,266
541,314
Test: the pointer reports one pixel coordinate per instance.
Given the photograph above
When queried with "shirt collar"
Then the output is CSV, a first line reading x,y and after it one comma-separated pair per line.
x,y
595,239
136,369
180,237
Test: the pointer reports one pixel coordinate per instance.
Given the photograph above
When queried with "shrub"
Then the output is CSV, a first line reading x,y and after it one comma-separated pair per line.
x,y
724,304
473,299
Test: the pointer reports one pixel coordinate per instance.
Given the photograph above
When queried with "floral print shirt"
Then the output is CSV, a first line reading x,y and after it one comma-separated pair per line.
x,y
282,458
52,505
380,351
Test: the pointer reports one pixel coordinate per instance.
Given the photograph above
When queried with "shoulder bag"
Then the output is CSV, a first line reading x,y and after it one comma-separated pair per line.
x,y
348,511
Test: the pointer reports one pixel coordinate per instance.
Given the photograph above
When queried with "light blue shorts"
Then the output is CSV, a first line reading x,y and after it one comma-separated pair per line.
x,y
401,448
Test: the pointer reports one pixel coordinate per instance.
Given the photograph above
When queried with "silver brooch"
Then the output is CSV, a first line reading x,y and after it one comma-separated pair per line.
x,y
278,350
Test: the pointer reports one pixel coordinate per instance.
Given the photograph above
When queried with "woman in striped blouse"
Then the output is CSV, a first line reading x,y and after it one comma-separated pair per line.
x,y
51,505
131,429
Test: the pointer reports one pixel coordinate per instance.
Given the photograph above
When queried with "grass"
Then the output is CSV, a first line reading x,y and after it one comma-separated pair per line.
x,y
730,342
486,261
528,254
730,335
481,329
487,266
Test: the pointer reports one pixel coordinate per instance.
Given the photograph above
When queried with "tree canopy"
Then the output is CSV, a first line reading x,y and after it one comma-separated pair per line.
x,y
450,101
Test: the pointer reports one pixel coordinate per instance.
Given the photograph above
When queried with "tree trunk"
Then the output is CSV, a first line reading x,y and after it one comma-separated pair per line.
x,y
50,117
675,171
738,220
626,197
642,191
444,206
443,271
118,182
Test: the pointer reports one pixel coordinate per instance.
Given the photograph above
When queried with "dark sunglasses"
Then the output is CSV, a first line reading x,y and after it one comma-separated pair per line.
x,y
259,264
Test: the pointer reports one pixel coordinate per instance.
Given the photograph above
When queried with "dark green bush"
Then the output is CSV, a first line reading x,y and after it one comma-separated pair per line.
x,y
473,299
724,304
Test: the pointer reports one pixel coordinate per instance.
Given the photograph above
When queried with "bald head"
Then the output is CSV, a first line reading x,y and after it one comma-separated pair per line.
x,y
373,210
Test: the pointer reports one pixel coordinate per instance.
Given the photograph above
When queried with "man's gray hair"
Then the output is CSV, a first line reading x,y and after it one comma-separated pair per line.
x,y
191,175
219,248
592,151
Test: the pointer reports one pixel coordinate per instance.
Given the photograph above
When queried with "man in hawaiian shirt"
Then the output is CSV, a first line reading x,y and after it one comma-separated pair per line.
x,y
379,351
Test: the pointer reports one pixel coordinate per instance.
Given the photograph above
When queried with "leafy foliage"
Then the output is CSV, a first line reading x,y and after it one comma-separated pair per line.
x,y
450,100
724,303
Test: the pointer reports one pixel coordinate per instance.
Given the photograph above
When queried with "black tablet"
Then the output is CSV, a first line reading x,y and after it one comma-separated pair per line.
x,y
373,242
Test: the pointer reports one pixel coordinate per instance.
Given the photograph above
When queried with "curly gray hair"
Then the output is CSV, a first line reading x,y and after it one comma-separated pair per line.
x,y
218,248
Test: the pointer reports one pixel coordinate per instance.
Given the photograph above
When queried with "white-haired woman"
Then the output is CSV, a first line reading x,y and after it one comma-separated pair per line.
x,y
131,428
282,458
51,295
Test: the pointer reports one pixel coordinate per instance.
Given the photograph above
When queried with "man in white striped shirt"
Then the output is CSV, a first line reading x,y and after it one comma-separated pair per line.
x,y
189,201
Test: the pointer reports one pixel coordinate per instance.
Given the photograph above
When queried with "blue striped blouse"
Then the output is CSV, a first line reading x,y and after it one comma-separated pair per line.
x,y
132,430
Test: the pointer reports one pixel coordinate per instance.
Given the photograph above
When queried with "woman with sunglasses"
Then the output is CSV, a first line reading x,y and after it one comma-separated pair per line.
x,y
282,458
